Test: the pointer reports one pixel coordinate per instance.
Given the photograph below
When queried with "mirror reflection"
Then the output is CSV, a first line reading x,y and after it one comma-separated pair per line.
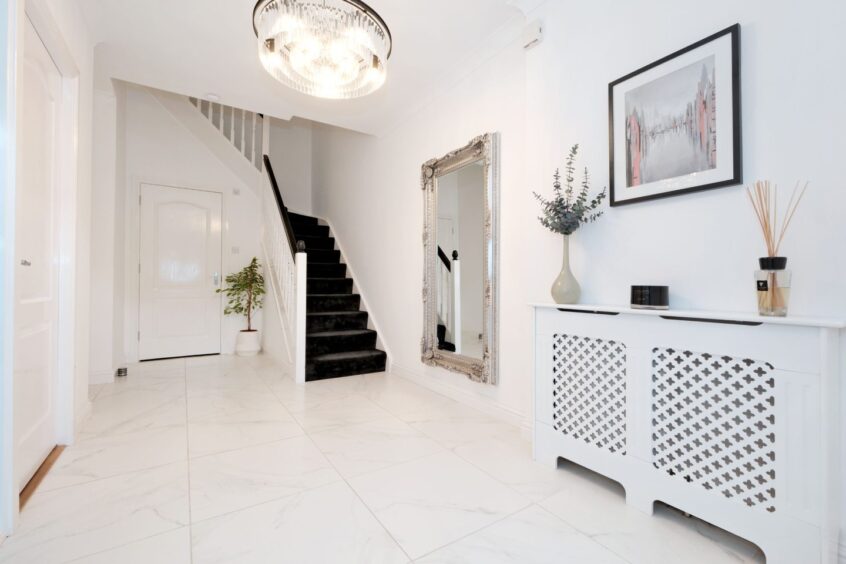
x,y
460,261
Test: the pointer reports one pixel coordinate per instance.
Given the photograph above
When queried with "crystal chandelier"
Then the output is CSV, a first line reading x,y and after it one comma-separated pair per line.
x,y
325,48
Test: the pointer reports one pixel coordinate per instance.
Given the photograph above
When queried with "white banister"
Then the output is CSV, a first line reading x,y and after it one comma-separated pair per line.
x,y
449,297
243,127
286,270
300,322
456,303
253,139
252,142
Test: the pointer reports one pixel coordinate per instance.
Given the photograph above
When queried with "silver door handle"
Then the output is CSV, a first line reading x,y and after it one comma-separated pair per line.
x,y
216,279
25,262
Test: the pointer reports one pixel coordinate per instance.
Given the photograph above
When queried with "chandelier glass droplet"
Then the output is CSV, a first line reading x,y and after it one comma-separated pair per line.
x,y
326,48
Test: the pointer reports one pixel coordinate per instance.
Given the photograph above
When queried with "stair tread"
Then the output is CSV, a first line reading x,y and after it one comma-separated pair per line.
x,y
333,313
341,333
369,353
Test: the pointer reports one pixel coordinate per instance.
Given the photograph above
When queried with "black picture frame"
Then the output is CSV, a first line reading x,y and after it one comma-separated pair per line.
x,y
736,134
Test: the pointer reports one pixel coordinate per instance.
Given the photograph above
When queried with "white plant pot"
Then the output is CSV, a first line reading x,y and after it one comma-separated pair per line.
x,y
248,343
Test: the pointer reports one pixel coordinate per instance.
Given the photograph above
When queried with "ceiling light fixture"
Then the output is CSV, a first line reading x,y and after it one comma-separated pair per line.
x,y
326,48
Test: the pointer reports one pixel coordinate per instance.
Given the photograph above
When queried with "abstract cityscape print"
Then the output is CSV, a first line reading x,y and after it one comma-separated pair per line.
x,y
671,125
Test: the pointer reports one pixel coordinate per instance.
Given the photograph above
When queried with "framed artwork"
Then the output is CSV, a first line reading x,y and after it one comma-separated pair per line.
x,y
674,125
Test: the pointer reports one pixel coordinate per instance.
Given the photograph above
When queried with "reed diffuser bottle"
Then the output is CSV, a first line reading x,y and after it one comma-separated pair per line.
x,y
773,279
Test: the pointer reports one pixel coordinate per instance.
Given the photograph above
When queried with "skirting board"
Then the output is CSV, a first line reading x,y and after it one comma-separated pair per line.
x,y
102,377
469,399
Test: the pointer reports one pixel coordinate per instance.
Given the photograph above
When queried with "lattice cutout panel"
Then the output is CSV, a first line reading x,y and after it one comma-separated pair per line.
x,y
589,390
714,424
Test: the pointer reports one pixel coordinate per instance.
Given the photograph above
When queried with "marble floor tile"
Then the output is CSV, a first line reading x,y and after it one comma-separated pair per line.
x,y
532,536
335,413
407,400
238,430
455,425
216,403
127,431
358,449
321,526
226,482
173,547
227,459
60,525
111,454
297,398
432,501
94,390
208,379
597,507
219,421
509,460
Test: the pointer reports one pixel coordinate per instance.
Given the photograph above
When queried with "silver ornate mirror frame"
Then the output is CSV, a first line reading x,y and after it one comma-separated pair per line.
x,y
484,148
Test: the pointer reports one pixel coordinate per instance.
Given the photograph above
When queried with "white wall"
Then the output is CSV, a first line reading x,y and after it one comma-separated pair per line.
x,y
703,245
159,150
103,361
290,155
370,189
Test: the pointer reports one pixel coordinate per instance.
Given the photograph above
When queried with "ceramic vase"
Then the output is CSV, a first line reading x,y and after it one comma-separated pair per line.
x,y
566,289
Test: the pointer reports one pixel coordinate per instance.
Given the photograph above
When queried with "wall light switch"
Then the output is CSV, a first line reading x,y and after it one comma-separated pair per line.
x,y
236,250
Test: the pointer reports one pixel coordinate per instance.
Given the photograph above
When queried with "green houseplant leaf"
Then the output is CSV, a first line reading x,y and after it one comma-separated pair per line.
x,y
244,292
569,208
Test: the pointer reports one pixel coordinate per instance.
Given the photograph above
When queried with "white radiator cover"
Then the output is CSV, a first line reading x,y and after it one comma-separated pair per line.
x,y
732,418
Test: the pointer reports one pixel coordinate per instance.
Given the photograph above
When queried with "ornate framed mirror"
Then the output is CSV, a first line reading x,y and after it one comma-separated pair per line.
x,y
461,259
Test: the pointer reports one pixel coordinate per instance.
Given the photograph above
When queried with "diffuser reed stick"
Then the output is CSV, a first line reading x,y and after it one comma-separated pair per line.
x,y
772,296
764,199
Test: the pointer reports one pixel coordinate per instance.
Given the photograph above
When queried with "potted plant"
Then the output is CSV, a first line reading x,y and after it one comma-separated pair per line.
x,y
568,210
244,291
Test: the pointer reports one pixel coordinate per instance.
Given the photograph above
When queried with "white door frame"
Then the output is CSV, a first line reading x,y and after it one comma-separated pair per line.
x,y
219,267
132,253
13,21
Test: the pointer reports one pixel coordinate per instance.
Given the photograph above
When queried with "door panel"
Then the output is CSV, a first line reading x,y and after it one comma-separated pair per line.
x,y
180,272
36,261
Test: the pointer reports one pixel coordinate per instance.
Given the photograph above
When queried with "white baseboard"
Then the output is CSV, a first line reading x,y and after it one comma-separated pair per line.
x,y
466,397
102,377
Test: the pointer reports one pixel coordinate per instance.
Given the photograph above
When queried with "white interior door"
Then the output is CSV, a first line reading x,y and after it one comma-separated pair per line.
x,y
180,313
36,261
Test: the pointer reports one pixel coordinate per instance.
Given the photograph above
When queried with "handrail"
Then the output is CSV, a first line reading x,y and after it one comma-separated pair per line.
x,y
283,211
444,259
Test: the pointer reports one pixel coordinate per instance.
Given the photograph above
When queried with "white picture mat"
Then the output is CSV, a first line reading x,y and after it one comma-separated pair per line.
x,y
721,49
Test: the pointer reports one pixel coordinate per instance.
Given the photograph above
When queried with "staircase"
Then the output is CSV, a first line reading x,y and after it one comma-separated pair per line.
x,y
338,342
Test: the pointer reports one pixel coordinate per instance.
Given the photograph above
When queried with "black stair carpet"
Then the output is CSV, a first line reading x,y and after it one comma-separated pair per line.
x,y
443,344
338,342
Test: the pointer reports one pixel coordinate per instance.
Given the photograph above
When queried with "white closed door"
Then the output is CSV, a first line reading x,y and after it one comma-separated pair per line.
x,y
180,271
36,261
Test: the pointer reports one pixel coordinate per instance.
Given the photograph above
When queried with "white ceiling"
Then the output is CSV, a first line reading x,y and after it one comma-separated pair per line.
x,y
195,47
